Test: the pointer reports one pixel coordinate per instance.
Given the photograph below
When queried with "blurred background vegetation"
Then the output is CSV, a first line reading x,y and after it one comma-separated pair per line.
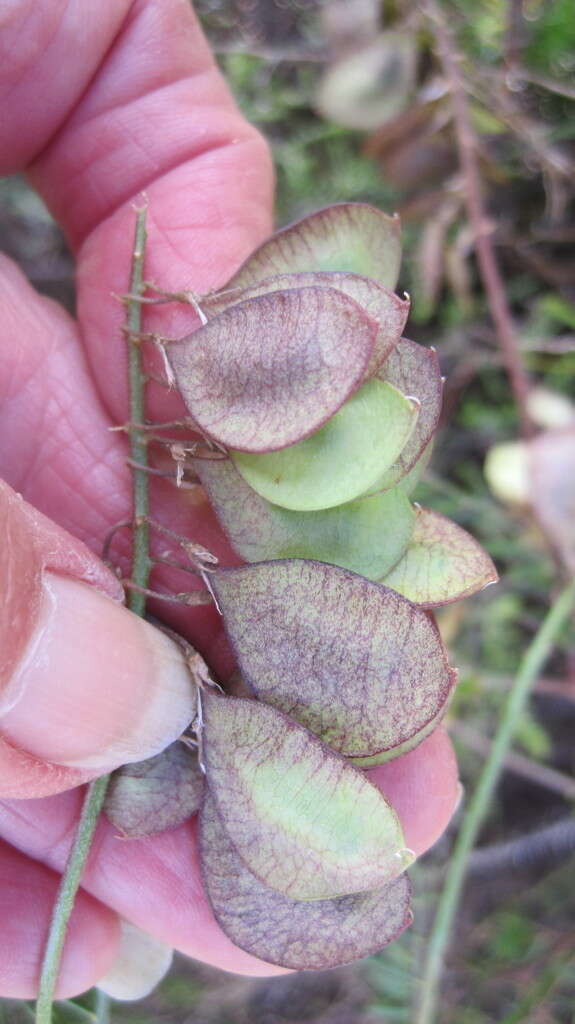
x,y
357,105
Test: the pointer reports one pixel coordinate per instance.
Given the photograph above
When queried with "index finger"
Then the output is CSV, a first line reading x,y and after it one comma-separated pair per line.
x,y
144,108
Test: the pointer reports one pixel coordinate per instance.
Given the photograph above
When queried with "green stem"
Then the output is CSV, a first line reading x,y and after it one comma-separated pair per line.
x,y
529,670
66,896
96,791
102,1007
141,562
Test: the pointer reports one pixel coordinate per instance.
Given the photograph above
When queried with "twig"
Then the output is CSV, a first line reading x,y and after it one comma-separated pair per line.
x,y
552,84
488,268
546,847
519,764
529,670
96,791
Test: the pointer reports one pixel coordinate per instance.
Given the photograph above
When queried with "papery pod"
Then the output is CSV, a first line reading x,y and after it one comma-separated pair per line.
x,y
409,482
156,794
415,371
303,820
301,935
339,462
368,536
442,563
350,659
352,237
270,371
383,305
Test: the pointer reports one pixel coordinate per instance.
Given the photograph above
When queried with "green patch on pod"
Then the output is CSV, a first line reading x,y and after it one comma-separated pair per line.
x,y
367,536
297,934
352,237
303,820
340,461
442,563
414,370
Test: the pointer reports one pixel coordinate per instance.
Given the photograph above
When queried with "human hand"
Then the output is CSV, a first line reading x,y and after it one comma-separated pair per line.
x,y
98,107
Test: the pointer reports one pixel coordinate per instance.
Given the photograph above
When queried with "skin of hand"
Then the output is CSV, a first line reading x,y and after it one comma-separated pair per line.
x,y
101,103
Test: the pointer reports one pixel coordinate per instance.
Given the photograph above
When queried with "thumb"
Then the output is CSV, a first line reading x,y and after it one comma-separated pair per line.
x,y
84,685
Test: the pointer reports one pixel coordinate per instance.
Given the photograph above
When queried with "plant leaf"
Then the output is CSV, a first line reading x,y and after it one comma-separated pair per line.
x,y
341,460
351,660
153,795
353,237
442,563
414,370
269,371
303,820
361,535
294,933
383,305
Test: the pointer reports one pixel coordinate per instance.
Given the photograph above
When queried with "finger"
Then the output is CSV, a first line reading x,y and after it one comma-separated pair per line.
x,y
153,113
59,451
57,448
424,788
27,894
166,867
85,684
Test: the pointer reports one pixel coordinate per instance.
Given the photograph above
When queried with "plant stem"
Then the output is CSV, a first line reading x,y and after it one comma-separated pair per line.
x,y
96,791
66,896
102,1007
141,563
534,659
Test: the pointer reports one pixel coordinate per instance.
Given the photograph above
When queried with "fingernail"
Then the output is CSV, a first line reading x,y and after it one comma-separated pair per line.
x,y
140,965
459,794
98,686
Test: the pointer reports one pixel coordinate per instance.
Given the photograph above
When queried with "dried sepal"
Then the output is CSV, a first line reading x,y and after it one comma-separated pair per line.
x,y
156,794
270,371
353,661
383,305
352,237
360,535
301,935
303,820
442,563
340,461
415,371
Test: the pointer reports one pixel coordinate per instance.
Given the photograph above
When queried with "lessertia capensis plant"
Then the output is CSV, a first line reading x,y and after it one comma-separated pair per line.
x,y
322,416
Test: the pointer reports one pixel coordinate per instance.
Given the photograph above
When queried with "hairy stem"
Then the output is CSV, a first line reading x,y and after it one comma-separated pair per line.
x,y
96,791
535,657
141,563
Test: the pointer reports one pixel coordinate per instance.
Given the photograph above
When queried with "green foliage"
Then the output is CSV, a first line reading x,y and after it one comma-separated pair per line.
x,y
552,44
